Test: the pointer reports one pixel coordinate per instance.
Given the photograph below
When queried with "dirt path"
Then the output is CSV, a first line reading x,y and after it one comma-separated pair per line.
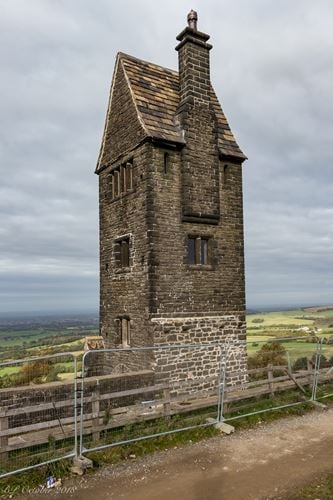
x,y
260,463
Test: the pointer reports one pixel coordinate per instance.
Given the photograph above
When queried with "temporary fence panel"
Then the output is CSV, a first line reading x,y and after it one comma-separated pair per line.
x,y
38,423
281,373
150,392
324,386
126,395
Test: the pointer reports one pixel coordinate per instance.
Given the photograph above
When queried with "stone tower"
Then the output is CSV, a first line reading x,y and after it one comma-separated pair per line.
x,y
171,213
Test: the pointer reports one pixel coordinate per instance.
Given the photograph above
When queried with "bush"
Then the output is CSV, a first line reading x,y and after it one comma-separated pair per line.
x,y
35,372
324,362
272,353
300,364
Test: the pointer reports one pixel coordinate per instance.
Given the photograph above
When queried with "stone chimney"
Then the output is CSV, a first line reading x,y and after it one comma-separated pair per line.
x,y
193,51
200,158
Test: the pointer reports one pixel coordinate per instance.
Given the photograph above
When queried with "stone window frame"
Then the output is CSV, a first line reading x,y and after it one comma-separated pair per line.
x,y
166,162
123,253
200,262
123,326
121,180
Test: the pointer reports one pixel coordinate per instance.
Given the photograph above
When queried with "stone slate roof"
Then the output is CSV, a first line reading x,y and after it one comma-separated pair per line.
x,y
155,92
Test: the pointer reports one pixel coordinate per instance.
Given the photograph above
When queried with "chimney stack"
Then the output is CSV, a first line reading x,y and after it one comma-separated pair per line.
x,y
193,53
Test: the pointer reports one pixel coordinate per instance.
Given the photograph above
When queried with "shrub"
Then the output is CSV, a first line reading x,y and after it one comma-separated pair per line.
x,y
300,364
35,372
272,353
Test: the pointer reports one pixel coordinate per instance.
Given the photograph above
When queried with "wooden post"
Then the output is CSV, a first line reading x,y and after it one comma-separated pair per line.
x,y
95,413
310,370
167,403
270,379
3,439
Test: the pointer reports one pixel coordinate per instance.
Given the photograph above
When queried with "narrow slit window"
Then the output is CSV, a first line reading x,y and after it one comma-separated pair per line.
x,y
225,174
116,183
166,161
125,253
122,180
129,176
125,332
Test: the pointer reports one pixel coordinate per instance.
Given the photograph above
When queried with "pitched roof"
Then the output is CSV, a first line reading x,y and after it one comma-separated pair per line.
x,y
155,92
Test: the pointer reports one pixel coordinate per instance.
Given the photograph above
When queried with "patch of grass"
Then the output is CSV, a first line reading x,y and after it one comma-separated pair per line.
x,y
9,370
147,446
26,481
321,488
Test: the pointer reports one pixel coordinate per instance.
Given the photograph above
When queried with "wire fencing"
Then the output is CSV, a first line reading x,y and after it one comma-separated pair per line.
x,y
324,387
152,391
282,373
49,411
38,423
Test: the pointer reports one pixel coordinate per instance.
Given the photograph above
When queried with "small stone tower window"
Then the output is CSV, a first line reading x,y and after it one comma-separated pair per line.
x,y
122,252
198,250
128,177
166,162
121,180
225,175
116,184
125,332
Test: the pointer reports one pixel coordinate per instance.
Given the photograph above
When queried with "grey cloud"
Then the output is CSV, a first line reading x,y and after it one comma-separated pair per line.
x,y
271,67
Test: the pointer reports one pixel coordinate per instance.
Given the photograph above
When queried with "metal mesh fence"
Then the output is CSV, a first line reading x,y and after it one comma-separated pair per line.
x,y
324,387
131,394
150,392
280,373
38,422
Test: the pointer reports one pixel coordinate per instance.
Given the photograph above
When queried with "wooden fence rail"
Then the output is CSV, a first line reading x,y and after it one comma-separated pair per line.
x,y
164,400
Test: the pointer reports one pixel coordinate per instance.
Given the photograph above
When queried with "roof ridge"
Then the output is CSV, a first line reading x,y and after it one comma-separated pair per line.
x,y
123,55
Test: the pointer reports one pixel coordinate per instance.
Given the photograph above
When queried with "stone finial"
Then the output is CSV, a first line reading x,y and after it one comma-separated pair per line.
x,y
192,18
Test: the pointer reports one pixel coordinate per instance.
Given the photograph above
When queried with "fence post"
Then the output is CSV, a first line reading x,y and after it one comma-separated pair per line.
x,y
95,412
4,425
167,403
270,378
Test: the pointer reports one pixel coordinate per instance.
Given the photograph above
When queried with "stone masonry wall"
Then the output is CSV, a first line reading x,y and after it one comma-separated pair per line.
x,y
124,292
204,365
179,287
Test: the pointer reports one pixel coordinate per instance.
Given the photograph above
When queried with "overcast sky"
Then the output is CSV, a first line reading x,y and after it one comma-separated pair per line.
x,y
272,68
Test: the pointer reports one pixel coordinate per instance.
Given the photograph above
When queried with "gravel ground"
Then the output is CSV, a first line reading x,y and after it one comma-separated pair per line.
x,y
268,461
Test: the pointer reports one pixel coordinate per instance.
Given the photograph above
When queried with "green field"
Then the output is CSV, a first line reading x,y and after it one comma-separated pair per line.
x,y
293,323
308,323
24,341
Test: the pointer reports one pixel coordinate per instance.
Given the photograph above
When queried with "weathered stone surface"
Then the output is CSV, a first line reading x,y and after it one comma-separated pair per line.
x,y
187,182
